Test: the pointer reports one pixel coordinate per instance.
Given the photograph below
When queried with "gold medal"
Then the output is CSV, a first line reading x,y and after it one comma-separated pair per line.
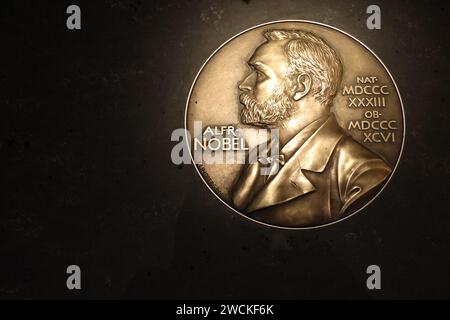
x,y
295,124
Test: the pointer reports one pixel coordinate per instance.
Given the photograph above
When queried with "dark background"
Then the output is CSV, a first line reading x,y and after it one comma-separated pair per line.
x,y
86,119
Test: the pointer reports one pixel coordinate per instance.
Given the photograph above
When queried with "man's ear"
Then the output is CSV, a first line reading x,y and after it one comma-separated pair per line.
x,y
303,85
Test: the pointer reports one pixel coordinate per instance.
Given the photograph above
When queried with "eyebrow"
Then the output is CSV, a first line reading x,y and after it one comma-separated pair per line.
x,y
257,64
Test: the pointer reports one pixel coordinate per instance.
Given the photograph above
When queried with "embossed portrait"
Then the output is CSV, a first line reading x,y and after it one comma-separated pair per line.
x,y
323,172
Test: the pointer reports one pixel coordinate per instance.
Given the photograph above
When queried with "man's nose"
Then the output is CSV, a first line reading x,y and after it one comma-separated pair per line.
x,y
248,83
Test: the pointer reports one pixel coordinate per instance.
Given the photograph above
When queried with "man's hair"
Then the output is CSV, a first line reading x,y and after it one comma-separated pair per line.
x,y
309,54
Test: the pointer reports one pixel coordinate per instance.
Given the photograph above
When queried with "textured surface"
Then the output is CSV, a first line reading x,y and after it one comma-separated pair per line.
x,y
87,177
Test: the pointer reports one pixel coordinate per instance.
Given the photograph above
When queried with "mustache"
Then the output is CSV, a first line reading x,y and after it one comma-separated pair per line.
x,y
275,109
247,99
252,111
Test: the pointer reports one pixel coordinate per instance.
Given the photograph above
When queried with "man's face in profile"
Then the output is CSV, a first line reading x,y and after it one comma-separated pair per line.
x,y
266,93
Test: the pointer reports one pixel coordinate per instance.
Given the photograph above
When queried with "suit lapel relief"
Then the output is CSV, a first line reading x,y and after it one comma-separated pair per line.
x,y
250,180
312,155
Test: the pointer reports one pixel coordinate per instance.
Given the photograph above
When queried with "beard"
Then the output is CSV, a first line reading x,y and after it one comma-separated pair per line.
x,y
277,108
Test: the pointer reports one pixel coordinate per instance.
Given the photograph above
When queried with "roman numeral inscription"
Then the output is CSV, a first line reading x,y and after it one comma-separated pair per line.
x,y
369,98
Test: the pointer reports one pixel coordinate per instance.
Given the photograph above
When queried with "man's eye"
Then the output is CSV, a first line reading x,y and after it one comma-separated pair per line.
x,y
260,75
